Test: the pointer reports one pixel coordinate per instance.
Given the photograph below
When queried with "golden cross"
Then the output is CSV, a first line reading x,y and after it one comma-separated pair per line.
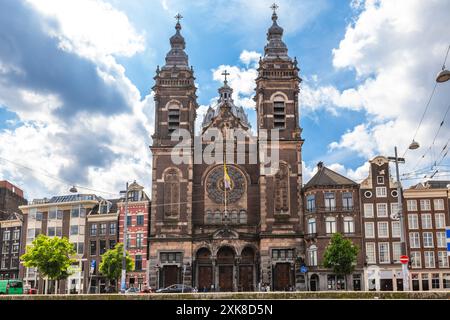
x,y
274,7
178,17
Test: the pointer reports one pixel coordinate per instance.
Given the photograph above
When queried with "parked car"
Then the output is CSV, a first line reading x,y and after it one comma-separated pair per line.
x,y
147,290
111,289
176,288
132,290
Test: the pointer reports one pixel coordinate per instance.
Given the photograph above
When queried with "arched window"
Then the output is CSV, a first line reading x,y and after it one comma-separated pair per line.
x,y
312,256
209,217
312,226
282,189
349,225
217,217
172,193
330,223
243,217
234,217
173,117
104,207
279,113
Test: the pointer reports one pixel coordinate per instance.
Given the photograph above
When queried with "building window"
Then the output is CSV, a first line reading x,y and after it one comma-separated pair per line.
x,y
234,217
14,264
93,248
209,217
383,229
380,180
411,205
282,254
311,203
171,193
370,252
217,217
443,259
279,114
414,240
311,226
78,212
74,230
347,201
435,283
413,221
382,210
170,257
438,204
139,240
15,248
381,192
55,214
128,240
416,261
282,189
54,231
6,235
440,220
112,228
129,221
173,117
368,210
383,252
312,253
396,251
243,217
140,220
330,201
394,193
396,232
16,234
138,263
446,280
93,230
394,208
102,229
368,194
112,244
349,225
426,221
425,205
3,266
440,239
104,208
428,240
429,259
369,229
79,247
102,245
330,224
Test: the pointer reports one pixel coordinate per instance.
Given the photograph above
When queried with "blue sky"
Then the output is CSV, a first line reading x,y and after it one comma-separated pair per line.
x,y
76,77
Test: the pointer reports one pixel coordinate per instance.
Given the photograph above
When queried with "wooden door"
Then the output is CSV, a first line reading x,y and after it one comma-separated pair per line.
x,y
226,278
170,276
246,278
204,278
282,276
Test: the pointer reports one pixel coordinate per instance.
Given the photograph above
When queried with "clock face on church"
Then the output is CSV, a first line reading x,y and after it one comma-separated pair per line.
x,y
215,185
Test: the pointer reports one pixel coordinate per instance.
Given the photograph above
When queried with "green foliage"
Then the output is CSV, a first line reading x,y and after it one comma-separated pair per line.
x,y
340,255
51,256
111,265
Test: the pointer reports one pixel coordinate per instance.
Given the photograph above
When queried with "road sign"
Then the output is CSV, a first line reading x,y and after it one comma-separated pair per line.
x,y
93,264
303,269
447,231
404,259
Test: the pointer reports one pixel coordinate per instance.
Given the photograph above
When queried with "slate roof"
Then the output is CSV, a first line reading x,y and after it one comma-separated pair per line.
x,y
112,209
328,177
432,184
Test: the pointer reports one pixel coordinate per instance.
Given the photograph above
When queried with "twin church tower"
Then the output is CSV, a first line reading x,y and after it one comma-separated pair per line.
x,y
202,234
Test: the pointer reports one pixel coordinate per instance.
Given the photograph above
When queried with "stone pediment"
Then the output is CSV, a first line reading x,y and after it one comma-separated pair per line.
x,y
225,233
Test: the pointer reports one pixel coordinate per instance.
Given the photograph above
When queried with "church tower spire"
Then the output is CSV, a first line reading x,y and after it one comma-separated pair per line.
x,y
275,47
177,56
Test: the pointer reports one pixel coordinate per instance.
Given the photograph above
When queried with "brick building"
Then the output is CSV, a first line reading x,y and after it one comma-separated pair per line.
x,y
426,206
101,235
138,225
331,203
60,216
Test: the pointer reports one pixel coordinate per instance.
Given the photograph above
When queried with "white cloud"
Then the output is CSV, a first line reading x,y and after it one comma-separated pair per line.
x,y
249,57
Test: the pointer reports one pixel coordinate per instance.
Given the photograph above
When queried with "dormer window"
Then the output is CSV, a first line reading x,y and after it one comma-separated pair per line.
x,y
173,117
279,113
104,207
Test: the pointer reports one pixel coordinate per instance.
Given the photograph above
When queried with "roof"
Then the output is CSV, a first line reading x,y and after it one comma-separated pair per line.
x,y
328,177
112,209
73,198
432,184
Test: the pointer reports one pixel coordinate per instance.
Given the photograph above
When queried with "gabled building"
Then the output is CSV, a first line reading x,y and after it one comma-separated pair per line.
x,y
331,203
102,233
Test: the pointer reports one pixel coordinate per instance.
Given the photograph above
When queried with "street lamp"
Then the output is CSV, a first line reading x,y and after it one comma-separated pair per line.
x,y
413,146
124,255
75,190
444,75
185,266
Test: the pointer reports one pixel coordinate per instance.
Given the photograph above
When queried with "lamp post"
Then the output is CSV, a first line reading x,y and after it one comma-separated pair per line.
x,y
185,265
413,146
80,262
125,242
444,74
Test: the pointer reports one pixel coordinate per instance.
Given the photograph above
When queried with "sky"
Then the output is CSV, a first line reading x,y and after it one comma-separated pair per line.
x,y
76,106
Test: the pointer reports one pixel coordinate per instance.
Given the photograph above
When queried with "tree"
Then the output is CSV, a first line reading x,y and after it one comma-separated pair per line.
x,y
51,256
340,256
111,264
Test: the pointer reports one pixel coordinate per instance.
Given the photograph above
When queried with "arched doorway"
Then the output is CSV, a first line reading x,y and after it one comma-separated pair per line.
x,y
314,283
283,278
225,267
247,270
204,270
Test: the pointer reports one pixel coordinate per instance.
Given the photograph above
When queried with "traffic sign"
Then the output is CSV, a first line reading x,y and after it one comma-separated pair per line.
x,y
303,269
404,259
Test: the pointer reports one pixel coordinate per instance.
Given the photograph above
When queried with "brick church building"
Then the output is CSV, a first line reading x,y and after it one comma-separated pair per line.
x,y
251,234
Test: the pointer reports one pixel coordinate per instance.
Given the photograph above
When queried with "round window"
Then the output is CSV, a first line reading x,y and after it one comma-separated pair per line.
x,y
394,193
368,194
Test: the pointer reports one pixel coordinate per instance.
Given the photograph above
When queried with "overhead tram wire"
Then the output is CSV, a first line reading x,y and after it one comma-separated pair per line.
x,y
427,105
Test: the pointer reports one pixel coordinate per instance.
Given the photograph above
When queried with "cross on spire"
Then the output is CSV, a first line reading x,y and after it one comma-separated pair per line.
x,y
225,73
178,17
274,7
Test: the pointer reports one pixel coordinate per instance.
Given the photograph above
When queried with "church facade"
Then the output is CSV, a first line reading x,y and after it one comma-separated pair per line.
x,y
236,223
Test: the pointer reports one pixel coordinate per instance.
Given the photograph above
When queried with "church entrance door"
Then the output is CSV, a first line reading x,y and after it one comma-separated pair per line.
x,y
282,277
169,276
246,278
204,278
226,278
